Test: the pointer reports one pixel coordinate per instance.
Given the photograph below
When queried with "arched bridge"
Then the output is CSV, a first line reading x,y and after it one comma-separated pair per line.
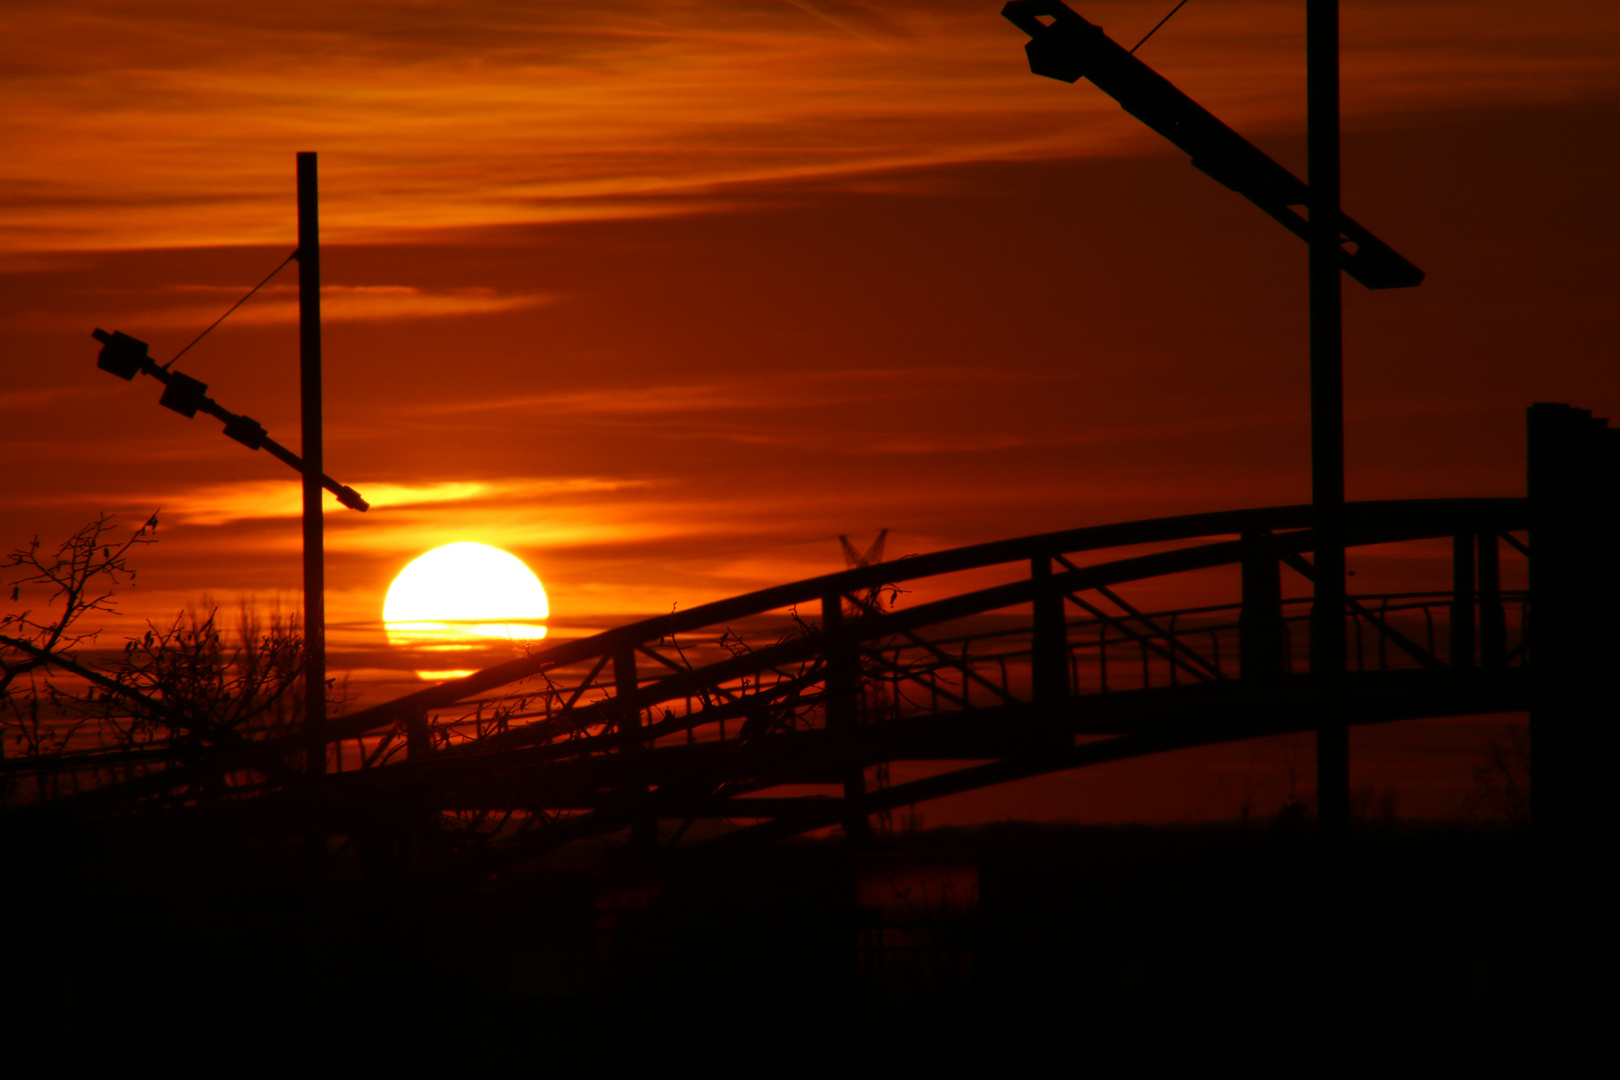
x,y
990,663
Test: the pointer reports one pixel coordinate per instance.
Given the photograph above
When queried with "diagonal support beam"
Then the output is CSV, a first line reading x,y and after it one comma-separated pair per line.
x,y
1406,644
939,654
1066,47
1170,639
127,357
1138,637
1205,670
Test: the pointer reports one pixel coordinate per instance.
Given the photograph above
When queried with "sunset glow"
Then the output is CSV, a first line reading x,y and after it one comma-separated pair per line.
x,y
462,594
667,297
1062,525
486,113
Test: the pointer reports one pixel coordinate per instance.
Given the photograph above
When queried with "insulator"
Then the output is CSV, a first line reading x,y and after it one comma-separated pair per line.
x,y
246,430
183,394
121,354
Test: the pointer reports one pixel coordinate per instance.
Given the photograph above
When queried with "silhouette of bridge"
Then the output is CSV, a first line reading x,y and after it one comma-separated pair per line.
x,y
655,725
783,711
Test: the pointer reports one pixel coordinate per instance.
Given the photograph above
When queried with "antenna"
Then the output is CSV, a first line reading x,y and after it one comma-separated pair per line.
x,y
874,554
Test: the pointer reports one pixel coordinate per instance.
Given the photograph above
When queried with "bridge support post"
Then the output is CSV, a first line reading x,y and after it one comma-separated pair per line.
x,y
843,714
1327,653
1328,642
643,826
1049,645
1462,601
1262,635
1492,620
418,736
1574,481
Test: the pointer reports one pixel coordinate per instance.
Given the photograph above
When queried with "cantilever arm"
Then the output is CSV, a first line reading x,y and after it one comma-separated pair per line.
x,y
126,357
1069,48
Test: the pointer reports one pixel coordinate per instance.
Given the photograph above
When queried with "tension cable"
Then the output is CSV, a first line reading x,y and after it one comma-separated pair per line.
x,y
1155,30
266,281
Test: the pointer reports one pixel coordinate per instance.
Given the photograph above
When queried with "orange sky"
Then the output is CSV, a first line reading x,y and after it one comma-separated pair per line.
x,y
169,123
664,296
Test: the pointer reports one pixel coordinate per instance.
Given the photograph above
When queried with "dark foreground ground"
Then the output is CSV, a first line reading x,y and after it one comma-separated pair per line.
x,y
1242,947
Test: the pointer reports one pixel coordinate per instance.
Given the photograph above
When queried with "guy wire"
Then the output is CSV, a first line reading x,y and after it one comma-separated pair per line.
x,y
244,300
1155,30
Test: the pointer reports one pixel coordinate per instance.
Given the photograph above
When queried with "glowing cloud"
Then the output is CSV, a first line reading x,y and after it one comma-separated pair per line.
x,y
344,303
143,125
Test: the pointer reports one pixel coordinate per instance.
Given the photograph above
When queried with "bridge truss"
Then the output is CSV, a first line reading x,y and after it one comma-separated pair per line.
x,y
783,711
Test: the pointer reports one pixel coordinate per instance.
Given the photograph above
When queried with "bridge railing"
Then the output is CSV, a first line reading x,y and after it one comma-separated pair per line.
x,y
1158,649
846,650
691,678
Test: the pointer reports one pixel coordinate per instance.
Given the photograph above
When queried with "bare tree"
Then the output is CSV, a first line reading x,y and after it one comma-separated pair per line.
x,y
166,696
78,579
191,680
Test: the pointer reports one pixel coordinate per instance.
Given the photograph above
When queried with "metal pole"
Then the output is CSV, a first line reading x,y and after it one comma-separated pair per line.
x,y
309,370
842,710
1327,409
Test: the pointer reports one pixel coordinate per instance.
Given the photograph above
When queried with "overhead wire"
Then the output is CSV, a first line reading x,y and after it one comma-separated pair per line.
x,y
233,307
1155,30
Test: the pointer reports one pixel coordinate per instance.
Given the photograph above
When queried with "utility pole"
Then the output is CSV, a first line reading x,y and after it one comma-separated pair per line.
x,y
126,357
1327,411
1065,46
309,372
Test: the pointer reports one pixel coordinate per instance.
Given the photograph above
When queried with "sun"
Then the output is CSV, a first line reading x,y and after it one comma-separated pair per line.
x,y
461,595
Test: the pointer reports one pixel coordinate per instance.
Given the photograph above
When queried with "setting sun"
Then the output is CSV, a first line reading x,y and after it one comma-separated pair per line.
x,y
462,594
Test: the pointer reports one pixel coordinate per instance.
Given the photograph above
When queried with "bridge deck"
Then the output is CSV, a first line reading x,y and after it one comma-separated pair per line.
x,y
1052,658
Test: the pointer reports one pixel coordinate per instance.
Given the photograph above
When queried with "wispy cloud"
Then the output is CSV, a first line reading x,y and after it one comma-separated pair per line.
x,y
765,394
339,303
173,123
42,397
223,504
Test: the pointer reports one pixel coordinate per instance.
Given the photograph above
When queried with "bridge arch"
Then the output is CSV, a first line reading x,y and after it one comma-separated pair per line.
x,y
701,713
